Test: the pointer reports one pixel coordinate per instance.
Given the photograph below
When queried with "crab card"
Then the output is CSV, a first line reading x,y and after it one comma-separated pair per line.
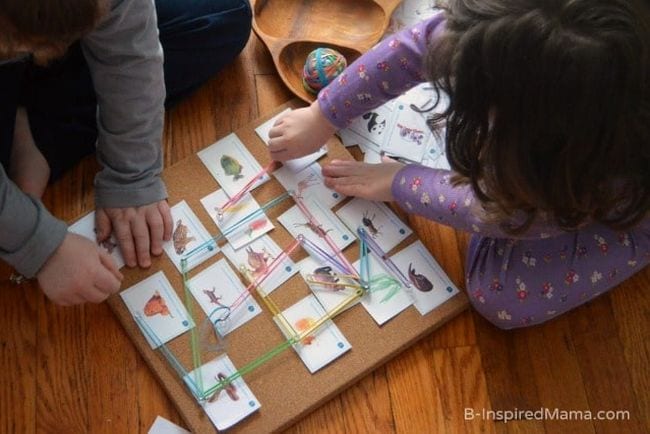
x,y
319,348
223,297
189,233
371,129
409,134
326,282
252,229
230,404
85,227
157,306
231,164
295,165
256,259
430,286
379,221
308,183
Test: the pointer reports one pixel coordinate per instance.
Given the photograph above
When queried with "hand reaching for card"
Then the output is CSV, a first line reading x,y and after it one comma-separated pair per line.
x,y
368,181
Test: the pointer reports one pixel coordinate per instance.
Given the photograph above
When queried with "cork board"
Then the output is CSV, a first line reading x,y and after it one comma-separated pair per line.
x,y
284,387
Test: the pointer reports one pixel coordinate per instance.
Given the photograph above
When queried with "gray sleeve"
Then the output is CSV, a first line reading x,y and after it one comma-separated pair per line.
x,y
126,64
29,234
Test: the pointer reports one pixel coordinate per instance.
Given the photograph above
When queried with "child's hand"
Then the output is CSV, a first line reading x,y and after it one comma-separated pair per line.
x,y
369,181
301,132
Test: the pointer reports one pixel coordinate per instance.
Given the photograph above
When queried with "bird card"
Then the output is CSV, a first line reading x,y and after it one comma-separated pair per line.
x,y
222,296
230,404
231,164
163,426
409,134
327,223
377,219
320,347
297,164
372,128
247,205
255,261
189,233
326,283
85,227
308,183
386,297
156,304
430,286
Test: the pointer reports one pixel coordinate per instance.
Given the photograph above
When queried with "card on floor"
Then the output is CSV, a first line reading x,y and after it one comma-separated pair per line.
x,y
158,306
386,297
222,295
295,165
247,205
430,286
379,221
189,233
231,164
372,128
330,290
256,259
308,183
409,134
231,404
163,426
321,347
85,227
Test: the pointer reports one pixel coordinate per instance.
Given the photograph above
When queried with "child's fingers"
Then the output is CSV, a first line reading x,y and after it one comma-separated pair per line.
x,y
103,225
276,131
341,169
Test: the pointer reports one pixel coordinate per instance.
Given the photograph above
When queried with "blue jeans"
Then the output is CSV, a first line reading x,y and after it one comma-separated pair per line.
x,y
199,37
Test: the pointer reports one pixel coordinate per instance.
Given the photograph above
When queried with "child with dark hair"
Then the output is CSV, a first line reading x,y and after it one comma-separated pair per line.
x,y
548,137
76,75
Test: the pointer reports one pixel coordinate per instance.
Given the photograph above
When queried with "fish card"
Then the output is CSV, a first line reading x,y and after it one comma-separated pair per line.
x,y
308,183
163,426
256,258
157,305
232,403
316,349
222,296
371,128
297,223
331,291
85,227
386,297
189,233
379,221
247,205
231,164
430,286
297,164
409,134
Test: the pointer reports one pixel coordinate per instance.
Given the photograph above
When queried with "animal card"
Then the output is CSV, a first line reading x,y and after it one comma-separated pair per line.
x,y
308,183
85,227
189,233
247,205
326,283
157,305
430,286
371,157
255,260
295,165
223,297
231,164
386,297
297,223
379,221
319,348
371,128
230,404
409,134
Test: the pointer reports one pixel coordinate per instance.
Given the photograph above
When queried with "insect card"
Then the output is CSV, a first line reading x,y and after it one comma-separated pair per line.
x,y
189,233
372,128
430,286
256,259
326,283
295,165
85,227
409,134
319,348
231,164
252,229
308,183
377,219
222,296
156,304
230,404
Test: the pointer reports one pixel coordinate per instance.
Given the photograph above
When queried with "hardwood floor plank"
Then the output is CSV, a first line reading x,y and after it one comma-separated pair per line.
x,y
367,405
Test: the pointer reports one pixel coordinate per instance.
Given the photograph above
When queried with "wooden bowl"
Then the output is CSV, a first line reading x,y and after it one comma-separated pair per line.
x,y
291,29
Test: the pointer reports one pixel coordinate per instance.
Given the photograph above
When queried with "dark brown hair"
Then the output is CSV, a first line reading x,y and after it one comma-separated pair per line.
x,y
549,107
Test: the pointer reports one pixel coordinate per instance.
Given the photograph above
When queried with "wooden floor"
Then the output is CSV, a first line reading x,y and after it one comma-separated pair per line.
x,y
73,370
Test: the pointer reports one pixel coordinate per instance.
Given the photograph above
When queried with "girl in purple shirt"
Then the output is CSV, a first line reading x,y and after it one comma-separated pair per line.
x,y
548,134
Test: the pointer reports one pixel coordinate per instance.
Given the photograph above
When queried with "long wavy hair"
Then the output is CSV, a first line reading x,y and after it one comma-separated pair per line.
x,y
549,109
